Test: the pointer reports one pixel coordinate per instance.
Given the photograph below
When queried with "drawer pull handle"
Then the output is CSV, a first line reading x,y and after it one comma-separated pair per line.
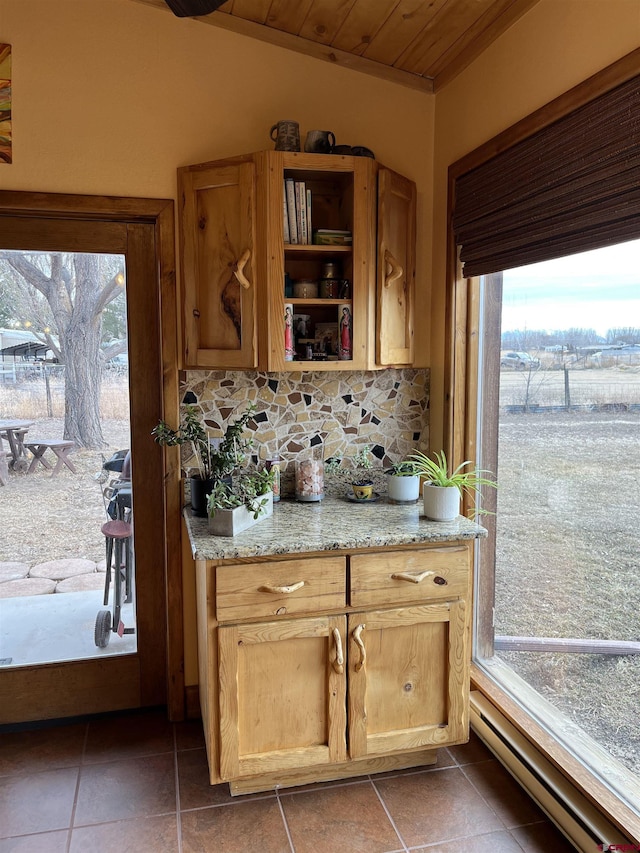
x,y
238,270
282,590
357,639
407,576
338,663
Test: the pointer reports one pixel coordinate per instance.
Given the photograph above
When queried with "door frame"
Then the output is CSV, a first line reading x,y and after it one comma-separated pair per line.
x,y
150,235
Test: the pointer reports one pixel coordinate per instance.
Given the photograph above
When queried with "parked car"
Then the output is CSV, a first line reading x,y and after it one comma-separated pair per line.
x,y
519,361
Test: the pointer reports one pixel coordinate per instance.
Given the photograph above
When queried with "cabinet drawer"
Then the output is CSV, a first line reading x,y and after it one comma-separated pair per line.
x,y
396,577
280,587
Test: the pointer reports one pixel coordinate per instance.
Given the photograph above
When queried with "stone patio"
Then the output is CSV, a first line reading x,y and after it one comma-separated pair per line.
x,y
54,576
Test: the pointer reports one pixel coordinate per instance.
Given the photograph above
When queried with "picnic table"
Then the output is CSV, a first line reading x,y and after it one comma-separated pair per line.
x,y
14,432
60,449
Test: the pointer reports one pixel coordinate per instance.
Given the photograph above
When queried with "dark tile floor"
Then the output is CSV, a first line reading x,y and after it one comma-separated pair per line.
x,y
135,783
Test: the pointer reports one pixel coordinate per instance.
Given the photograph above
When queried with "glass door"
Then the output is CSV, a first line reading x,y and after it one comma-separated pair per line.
x,y
64,421
90,392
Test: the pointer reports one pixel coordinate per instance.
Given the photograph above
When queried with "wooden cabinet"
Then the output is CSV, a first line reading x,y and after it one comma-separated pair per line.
x,y
234,262
408,678
218,263
282,695
322,667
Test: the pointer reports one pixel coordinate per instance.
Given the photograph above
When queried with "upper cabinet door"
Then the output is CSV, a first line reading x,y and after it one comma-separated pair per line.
x,y
218,265
396,269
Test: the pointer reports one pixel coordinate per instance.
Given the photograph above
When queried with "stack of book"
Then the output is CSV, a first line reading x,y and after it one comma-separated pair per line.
x,y
331,237
297,213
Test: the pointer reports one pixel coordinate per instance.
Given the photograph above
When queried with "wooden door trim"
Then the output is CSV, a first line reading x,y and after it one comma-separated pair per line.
x,y
159,213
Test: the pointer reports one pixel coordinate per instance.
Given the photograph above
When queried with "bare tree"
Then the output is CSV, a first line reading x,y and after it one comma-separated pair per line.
x,y
626,335
66,295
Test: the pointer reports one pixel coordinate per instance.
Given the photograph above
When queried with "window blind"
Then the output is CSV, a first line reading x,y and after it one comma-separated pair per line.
x,y
570,187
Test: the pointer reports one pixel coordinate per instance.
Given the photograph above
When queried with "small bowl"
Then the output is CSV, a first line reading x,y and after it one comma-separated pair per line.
x,y
361,151
362,491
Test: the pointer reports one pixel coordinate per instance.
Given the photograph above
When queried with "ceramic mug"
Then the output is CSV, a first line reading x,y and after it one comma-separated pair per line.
x,y
319,142
287,135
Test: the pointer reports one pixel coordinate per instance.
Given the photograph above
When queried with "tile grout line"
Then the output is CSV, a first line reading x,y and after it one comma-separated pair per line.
x,y
482,797
177,782
77,790
388,814
284,820
480,794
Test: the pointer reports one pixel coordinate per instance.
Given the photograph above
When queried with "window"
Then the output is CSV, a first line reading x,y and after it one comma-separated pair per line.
x,y
561,569
560,182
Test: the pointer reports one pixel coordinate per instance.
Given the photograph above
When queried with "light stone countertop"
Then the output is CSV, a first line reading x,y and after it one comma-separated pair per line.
x,y
333,524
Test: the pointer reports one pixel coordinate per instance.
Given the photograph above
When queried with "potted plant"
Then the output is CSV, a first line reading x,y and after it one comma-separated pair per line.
x,y
443,489
232,509
362,484
403,482
215,459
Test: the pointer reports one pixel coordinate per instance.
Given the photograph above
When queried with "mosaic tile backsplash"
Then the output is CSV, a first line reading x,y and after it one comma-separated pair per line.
x,y
319,415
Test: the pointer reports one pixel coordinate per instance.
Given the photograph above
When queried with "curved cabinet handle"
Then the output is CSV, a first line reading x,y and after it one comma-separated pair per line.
x,y
238,270
395,272
282,590
407,576
338,663
357,639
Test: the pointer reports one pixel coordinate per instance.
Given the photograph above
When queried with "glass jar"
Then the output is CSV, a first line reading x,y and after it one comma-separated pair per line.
x,y
309,480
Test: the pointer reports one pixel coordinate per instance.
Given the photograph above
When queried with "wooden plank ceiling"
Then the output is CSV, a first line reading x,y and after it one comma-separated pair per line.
x,y
419,43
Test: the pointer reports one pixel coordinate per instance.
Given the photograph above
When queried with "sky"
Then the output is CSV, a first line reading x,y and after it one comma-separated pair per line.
x,y
592,290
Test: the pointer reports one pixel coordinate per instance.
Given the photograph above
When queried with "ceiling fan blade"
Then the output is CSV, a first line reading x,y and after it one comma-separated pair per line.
x,y
193,8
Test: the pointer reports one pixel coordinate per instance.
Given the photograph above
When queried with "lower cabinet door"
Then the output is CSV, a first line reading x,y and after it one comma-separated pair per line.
x,y
282,695
408,678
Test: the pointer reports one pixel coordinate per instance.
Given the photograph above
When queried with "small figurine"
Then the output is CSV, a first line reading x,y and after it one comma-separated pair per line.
x,y
289,348
345,346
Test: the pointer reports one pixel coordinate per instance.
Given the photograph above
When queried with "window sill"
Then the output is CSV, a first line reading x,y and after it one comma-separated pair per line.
x,y
499,684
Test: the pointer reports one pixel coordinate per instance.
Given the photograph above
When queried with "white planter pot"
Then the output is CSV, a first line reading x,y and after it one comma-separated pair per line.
x,y
228,522
403,488
441,503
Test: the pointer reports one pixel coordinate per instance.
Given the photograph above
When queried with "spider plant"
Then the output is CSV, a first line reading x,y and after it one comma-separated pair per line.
x,y
436,472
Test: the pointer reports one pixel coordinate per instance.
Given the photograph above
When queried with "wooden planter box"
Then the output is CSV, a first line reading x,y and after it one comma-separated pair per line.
x,y
229,522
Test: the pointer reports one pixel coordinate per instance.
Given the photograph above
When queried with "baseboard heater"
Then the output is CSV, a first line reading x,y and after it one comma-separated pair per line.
x,y
576,817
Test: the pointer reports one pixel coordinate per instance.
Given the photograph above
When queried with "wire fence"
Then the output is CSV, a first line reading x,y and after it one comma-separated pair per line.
x,y
564,390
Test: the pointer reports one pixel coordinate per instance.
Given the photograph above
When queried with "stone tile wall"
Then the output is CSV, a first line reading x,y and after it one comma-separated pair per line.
x,y
319,415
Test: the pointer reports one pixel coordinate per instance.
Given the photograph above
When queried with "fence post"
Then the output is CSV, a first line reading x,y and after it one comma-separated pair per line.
x,y
48,391
567,393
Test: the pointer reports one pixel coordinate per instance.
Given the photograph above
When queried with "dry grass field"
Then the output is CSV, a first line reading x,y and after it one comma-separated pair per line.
x,y
45,518
568,562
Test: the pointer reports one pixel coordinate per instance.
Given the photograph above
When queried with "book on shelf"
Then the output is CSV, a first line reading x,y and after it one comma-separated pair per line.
x,y
309,231
301,210
332,237
290,195
285,217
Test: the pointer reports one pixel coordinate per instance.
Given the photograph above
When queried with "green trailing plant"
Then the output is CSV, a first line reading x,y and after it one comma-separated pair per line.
x,y
248,490
406,468
362,459
212,461
363,465
436,471
332,465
